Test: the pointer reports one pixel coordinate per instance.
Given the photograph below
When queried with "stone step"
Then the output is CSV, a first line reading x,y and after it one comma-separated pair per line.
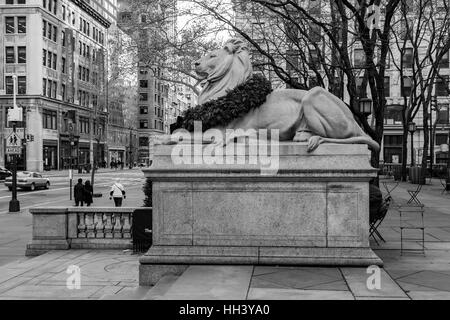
x,y
132,293
161,287
211,282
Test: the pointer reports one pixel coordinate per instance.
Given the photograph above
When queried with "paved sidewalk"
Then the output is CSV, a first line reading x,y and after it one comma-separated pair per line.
x,y
114,274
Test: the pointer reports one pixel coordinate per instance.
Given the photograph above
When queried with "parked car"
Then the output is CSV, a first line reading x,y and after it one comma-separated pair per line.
x,y
4,173
28,180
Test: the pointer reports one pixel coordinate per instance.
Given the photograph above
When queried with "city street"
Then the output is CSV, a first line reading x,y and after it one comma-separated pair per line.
x,y
58,194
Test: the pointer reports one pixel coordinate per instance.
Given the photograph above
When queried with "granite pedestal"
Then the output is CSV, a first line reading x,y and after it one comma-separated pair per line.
x,y
313,211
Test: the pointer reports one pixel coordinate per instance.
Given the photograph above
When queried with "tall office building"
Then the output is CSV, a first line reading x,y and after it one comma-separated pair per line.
x,y
57,49
159,100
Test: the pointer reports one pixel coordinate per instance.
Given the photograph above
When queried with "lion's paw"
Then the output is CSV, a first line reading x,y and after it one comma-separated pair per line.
x,y
314,142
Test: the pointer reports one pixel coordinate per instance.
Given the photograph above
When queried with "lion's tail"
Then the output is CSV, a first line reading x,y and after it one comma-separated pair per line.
x,y
363,139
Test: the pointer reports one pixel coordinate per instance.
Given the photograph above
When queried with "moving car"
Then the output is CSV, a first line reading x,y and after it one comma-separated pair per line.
x,y
28,180
4,173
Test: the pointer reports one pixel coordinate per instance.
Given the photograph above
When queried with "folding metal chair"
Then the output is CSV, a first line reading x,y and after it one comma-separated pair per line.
x,y
377,219
411,219
445,185
414,193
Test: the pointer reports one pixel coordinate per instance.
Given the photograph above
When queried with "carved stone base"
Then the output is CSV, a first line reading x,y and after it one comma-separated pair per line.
x,y
313,211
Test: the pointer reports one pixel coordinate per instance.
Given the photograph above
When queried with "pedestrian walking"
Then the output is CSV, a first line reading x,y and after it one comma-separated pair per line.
x,y
78,193
118,193
88,192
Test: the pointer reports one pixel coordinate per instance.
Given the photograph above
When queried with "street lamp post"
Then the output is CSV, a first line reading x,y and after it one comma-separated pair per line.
x,y
14,115
412,128
365,106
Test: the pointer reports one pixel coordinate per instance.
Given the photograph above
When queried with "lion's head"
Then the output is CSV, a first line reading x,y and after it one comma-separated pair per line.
x,y
223,69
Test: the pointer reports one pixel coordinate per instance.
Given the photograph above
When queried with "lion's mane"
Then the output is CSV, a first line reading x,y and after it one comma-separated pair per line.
x,y
229,74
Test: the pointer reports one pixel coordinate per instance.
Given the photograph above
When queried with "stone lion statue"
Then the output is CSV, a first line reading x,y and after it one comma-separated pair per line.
x,y
314,116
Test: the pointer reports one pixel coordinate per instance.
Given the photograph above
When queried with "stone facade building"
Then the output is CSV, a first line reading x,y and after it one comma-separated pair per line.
x,y
57,49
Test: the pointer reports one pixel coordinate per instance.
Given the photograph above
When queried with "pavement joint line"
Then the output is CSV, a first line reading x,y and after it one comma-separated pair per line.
x,y
346,283
421,285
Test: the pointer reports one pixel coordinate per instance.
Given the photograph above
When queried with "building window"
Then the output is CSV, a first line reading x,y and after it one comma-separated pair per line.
x,y
49,59
54,6
143,97
9,23
44,57
442,86
408,58
84,125
9,1
49,88
21,85
44,28
10,55
44,86
9,85
63,38
443,116
73,17
49,119
55,59
63,12
392,115
143,124
21,54
55,31
143,110
441,138
63,92
143,83
393,148
407,87
21,24
63,65
387,87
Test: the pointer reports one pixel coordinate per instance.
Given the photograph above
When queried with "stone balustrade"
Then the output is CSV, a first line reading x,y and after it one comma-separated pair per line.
x,y
81,228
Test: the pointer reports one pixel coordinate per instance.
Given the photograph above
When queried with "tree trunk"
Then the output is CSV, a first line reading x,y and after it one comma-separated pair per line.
x,y
426,140
404,150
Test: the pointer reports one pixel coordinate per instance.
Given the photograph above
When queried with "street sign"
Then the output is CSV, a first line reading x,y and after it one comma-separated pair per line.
x,y
13,140
13,150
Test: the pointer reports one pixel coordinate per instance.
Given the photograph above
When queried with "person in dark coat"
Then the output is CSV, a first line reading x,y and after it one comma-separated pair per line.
x,y
78,193
88,191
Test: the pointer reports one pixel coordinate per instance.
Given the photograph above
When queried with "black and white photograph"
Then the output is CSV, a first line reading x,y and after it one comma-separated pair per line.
x,y
223,155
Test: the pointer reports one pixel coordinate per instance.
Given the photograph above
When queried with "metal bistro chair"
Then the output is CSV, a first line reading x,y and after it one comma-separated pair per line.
x,y
414,193
444,183
377,219
411,219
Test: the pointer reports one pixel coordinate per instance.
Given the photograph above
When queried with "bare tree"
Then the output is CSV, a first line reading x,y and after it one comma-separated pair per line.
x,y
421,40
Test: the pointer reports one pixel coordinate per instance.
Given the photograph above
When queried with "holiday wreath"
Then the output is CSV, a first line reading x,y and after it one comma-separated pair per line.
x,y
236,103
